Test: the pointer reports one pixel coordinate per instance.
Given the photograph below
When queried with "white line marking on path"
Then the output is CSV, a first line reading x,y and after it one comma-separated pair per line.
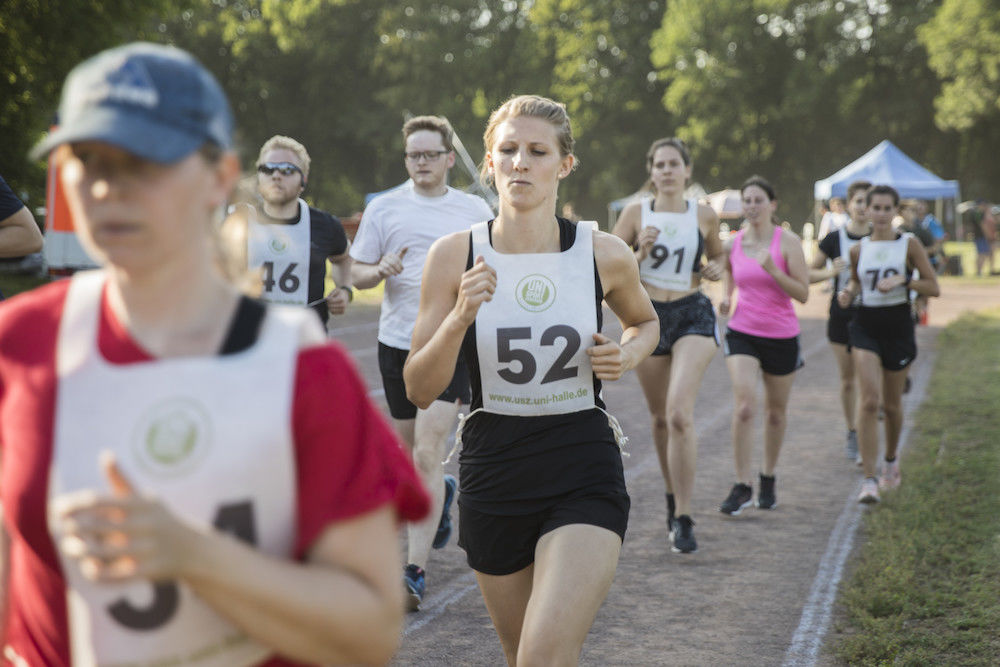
x,y
455,591
815,620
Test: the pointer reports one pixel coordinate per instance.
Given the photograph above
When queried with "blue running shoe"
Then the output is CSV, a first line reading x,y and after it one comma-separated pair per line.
x,y
443,533
413,578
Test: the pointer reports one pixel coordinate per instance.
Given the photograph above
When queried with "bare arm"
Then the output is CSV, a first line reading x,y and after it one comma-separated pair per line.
x,y
847,295
19,235
795,283
708,223
450,297
927,284
728,284
342,294
629,229
626,297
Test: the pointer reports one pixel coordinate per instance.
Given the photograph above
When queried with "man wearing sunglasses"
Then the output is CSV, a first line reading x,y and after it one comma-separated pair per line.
x,y
396,231
287,241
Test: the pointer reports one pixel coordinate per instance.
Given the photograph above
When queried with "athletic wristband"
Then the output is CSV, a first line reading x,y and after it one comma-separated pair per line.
x,y
350,292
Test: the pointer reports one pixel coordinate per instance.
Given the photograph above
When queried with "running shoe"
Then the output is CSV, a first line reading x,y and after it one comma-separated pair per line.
x,y
740,497
766,499
683,535
869,491
443,533
890,478
852,445
413,578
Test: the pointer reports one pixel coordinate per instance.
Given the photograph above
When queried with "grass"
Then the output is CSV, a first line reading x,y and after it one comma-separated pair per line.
x,y
926,587
11,284
966,250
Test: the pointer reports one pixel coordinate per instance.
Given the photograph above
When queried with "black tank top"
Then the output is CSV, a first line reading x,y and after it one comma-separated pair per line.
x,y
491,438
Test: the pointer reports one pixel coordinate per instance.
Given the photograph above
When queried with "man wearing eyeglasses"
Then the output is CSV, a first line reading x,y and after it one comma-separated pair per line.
x,y
287,241
396,231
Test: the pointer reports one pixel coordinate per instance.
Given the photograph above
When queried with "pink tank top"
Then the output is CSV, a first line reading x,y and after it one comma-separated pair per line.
x,y
762,307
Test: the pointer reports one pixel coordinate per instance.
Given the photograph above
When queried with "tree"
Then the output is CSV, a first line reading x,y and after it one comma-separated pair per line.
x,y
963,43
40,42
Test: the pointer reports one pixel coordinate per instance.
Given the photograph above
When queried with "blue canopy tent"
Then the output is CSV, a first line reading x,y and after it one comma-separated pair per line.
x,y
886,164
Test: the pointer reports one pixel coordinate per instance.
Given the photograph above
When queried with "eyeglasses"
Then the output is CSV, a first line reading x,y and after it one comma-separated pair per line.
x,y
283,168
430,156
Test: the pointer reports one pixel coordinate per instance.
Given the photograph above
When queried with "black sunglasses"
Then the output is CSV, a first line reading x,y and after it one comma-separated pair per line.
x,y
283,168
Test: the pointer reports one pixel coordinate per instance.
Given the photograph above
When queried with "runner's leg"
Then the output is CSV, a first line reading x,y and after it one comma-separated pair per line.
x,y
893,383
431,431
868,368
777,388
743,372
574,568
848,384
506,599
653,374
692,355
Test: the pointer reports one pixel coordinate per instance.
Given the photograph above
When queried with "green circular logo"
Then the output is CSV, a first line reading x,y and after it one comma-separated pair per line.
x,y
279,244
882,255
172,437
670,231
535,293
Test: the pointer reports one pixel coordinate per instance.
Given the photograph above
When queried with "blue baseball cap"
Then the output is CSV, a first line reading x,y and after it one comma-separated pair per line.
x,y
154,101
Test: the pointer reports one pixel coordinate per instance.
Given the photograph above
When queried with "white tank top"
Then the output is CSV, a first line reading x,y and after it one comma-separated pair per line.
x,y
280,255
846,243
878,260
210,437
670,261
531,338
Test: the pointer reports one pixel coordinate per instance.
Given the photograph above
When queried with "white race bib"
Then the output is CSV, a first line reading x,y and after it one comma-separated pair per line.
x,y
280,255
532,337
878,260
670,261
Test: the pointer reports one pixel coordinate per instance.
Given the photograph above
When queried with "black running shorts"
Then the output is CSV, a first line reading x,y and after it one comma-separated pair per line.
x,y
896,351
836,326
690,315
390,364
777,356
505,544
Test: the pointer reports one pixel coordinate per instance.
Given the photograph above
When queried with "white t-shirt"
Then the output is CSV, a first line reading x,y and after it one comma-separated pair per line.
x,y
401,219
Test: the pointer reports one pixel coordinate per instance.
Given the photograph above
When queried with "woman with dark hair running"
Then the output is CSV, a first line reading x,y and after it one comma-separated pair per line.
x,y
883,342
669,235
833,260
520,297
768,266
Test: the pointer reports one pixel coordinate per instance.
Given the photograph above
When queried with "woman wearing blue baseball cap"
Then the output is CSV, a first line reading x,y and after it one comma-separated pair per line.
x,y
189,476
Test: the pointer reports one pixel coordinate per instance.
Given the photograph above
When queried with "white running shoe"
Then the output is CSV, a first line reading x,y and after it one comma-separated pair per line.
x,y
890,478
869,491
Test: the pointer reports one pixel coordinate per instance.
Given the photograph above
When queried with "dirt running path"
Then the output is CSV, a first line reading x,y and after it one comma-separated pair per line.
x,y
740,599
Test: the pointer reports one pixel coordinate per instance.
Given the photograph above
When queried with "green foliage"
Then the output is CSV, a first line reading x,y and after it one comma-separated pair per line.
x,y
963,43
925,589
791,89
40,42
794,90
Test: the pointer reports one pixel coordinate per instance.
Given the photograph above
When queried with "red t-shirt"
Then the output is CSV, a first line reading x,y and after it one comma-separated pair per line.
x,y
348,460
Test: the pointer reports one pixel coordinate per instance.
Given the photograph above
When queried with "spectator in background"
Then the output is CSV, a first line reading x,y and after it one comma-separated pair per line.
x,y
835,218
927,221
984,234
19,234
909,210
